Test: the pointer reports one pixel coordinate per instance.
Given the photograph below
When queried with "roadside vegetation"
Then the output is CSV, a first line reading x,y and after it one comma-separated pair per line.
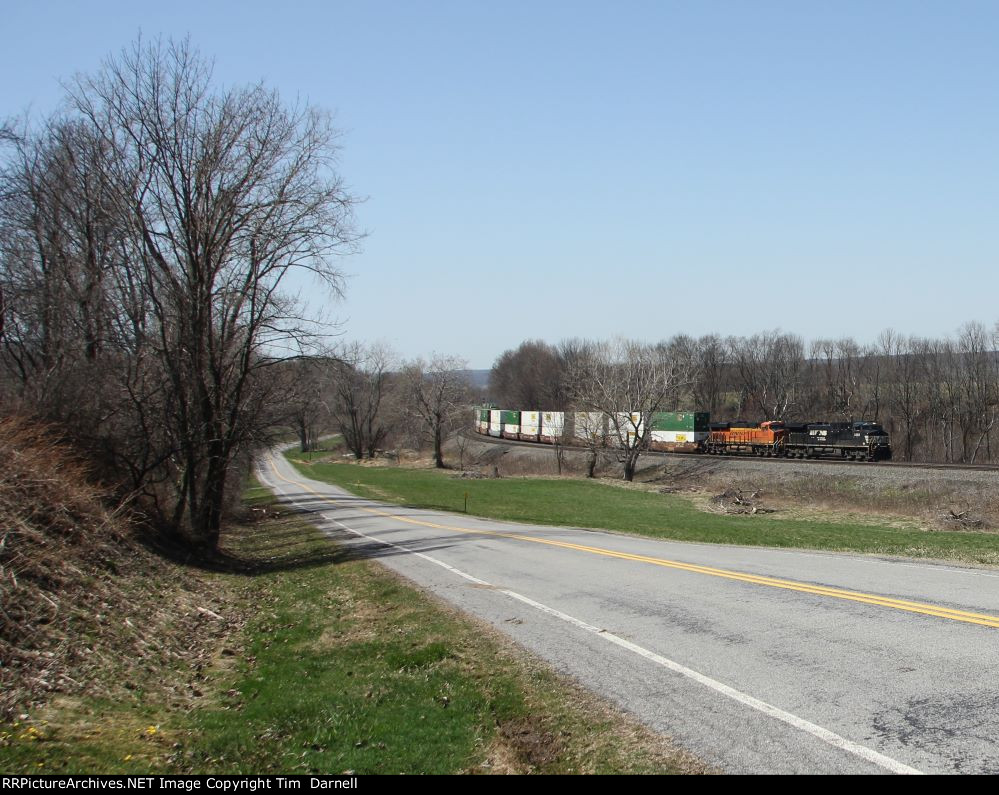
x,y
609,506
280,654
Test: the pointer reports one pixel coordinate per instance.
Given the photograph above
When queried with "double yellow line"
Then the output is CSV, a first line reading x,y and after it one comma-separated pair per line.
x,y
964,616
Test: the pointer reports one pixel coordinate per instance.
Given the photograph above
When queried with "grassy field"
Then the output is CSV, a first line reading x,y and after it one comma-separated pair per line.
x,y
592,504
336,665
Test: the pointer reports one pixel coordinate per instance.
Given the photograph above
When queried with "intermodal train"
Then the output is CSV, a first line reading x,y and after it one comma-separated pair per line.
x,y
693,432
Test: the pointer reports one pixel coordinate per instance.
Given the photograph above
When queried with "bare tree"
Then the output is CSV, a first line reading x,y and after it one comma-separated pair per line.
x,y
979,389
181,209
838,368
558,442
902,384
437,392
769,367
306,399
462,435
588,427
530,377
709,386
60,244
361,380
628,383
77,316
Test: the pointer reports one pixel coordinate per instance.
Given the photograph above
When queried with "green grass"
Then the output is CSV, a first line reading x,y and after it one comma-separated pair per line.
x,y
339,666
256,494
590,504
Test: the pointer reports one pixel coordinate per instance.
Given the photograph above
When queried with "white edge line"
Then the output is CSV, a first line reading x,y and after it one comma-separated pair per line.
x,y
827,736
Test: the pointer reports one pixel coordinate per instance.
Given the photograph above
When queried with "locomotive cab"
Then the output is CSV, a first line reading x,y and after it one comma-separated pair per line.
x,y
874,436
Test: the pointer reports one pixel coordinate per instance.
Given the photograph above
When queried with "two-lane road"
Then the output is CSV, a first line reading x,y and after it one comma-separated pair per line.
x,y
758,660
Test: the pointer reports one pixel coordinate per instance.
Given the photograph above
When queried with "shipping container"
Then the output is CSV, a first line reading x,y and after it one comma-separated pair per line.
x,y
511,424
552,426
482,421
694,421
530,425
589,426
679,431
495,422
627,428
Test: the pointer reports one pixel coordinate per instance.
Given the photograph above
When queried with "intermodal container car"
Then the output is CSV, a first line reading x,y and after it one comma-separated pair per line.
x,y
511,425
530,425
552,426
495,422
679,431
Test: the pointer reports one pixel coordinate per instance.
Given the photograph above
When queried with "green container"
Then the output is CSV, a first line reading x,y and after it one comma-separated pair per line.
x,y
510,418
483,415
681,421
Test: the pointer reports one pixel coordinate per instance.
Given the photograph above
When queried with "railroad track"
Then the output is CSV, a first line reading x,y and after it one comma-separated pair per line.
x,y
701,456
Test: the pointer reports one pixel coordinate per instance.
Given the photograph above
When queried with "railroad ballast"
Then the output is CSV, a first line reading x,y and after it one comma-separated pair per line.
x,y
692,432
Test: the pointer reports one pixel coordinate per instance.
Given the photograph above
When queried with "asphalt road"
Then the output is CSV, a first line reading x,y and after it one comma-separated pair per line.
x,y
757,660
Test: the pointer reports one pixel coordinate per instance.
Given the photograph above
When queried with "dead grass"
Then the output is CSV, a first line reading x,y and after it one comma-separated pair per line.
x,y
84,606
363,626
817,508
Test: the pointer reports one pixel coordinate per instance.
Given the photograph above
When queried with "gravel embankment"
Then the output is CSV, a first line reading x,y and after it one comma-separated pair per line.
x,y
862,472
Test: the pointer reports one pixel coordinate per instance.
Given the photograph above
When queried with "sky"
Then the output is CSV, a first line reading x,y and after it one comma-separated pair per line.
x,y
547,170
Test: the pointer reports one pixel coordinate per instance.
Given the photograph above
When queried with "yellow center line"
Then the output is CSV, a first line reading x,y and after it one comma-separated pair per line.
x,y
965,616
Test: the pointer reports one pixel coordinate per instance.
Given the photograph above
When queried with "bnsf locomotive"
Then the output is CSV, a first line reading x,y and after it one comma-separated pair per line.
x,y
690,432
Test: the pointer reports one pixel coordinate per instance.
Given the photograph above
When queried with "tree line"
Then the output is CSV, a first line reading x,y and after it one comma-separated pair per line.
x,y
938,398
149,230
376,402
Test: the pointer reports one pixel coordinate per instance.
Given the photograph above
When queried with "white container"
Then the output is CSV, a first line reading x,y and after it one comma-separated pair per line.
x,y
627,428
530,424
552,426
590,426
679,437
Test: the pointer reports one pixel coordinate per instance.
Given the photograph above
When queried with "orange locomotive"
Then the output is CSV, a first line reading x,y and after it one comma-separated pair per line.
x,y
765,439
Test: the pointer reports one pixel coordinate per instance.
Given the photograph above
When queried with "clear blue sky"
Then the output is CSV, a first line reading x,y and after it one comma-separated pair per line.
x,y
603,169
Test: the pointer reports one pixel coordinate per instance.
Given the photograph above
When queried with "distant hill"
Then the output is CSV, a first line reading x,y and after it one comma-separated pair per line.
x,y
479,379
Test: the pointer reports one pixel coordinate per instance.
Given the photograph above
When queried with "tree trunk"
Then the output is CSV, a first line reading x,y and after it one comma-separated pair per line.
x,y
438,452
206,511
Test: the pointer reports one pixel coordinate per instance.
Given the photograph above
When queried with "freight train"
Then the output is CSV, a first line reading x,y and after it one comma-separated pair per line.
x,y
693,432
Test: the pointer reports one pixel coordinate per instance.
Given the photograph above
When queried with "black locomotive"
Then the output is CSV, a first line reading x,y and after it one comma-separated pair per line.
x,y
866,441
